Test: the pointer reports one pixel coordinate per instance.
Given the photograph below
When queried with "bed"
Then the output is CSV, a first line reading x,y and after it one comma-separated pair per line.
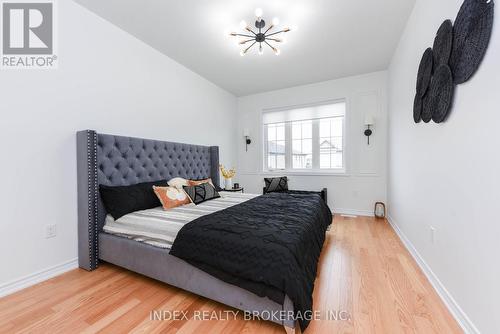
x,y
111,160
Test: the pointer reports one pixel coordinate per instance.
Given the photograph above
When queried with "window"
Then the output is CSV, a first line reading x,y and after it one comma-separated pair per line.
x,y
305,139
302,145
331,142
276,146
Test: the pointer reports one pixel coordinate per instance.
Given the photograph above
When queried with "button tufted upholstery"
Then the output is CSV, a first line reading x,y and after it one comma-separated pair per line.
x,y
118,161
124,160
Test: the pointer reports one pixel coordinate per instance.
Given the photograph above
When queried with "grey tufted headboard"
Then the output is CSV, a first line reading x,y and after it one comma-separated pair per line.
x,y
117,161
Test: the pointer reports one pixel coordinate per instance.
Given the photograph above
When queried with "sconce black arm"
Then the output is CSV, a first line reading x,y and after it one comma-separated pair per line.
x,y
248,141
368,133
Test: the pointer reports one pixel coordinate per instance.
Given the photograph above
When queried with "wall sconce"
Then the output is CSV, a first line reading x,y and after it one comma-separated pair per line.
x,y
369,121
248,141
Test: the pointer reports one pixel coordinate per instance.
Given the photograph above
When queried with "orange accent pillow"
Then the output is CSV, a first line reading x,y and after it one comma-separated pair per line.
x,y
171,197
198,182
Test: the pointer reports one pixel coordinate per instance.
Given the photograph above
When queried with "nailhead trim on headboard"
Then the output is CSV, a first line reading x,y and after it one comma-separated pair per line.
x,y
96,234
92,198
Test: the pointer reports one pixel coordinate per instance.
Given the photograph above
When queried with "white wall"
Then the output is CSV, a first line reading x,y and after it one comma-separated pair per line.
x,y
446,175
108,81
365,180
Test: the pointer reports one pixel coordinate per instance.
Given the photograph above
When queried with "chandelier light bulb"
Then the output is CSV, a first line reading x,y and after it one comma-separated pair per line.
x,y
259,12
243,24
276,21
277,52
242,53
261,51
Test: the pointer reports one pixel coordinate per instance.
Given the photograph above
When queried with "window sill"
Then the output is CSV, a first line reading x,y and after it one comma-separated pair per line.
x,y
339,172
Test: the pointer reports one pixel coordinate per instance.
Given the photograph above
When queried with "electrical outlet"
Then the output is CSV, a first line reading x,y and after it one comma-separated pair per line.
x,y
50,231
433,234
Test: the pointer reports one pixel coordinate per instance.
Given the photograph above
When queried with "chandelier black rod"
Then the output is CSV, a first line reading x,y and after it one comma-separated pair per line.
x,y
250,46
243,35
246,41
277,32
270,27
272,47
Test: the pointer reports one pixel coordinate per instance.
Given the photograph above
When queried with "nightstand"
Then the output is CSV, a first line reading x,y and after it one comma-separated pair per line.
x,y
241,190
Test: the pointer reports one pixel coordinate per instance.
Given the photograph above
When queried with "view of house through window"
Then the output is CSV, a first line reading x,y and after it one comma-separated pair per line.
x,y
276,149
302,144
331,142
307,138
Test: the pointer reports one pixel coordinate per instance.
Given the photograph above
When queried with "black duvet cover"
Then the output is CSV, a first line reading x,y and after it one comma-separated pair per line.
x,y
269,245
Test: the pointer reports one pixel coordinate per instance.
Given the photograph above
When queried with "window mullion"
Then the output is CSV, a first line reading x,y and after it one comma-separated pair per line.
x,y
265,163
315,144
276,151
288,145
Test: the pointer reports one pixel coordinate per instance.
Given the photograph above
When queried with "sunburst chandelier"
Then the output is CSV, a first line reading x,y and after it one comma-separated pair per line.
x,y
262,36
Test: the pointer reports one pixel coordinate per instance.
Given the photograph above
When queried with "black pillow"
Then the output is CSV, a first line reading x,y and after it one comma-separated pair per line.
x,y
122,200
276,184
201,193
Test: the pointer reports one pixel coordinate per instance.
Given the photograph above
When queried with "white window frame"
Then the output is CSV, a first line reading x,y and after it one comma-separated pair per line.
x,y
315,148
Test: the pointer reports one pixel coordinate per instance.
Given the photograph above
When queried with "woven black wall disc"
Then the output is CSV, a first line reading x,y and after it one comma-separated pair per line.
x,y
426,114
417,108
471,36
440,94
424,72
443,43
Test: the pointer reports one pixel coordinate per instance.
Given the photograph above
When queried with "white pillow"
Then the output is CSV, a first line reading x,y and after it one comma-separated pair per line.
x,y
178,182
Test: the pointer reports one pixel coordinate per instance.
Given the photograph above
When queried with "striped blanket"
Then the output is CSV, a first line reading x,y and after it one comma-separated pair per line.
x,y
159,228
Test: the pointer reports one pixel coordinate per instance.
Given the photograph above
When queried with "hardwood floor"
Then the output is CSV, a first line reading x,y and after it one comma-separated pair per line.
x,y
364,272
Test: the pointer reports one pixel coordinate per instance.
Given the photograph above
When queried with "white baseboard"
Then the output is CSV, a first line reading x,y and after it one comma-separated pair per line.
x,y
353,212
40,276
452,305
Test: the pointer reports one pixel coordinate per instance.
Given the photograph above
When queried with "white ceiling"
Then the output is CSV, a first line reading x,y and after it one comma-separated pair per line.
x,y
336,38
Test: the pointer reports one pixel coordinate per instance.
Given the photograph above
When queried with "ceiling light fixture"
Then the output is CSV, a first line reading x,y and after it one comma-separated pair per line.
x,y
261,36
